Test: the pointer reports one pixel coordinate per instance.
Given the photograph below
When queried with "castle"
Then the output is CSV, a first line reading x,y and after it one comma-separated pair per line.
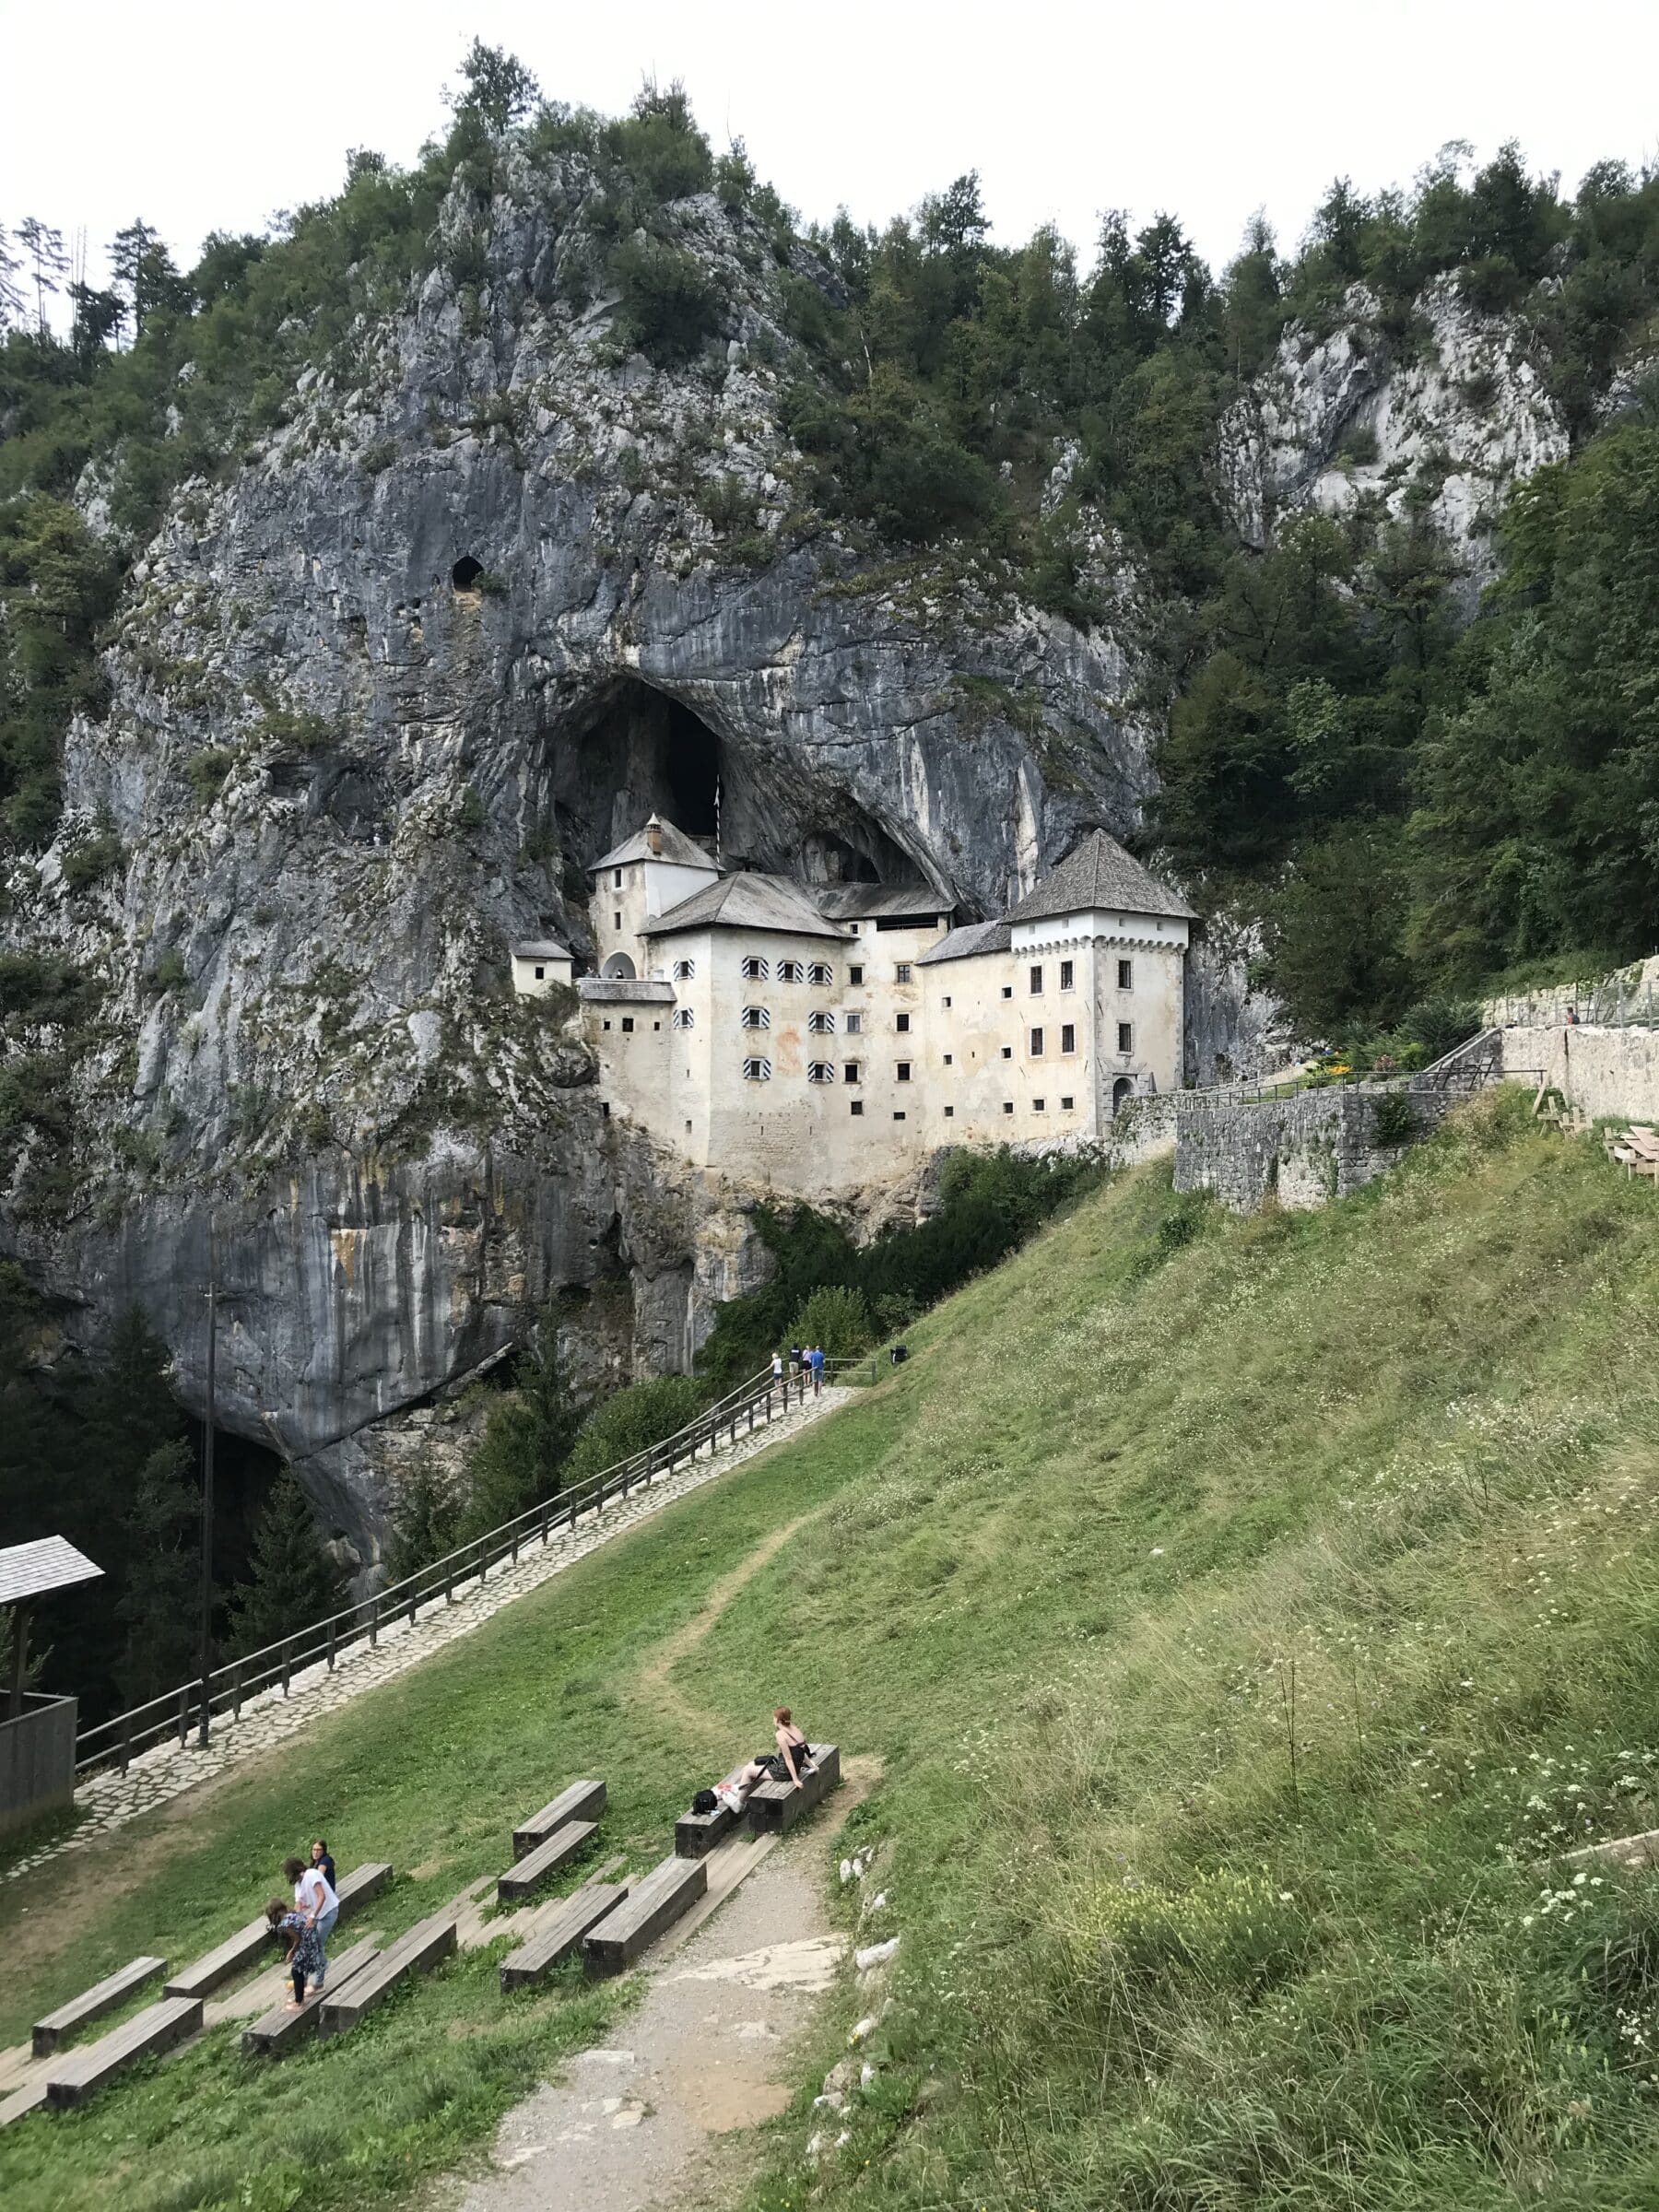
x,y
821,1037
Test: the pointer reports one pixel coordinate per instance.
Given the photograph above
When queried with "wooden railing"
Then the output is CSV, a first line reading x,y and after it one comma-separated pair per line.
x,y
117,1741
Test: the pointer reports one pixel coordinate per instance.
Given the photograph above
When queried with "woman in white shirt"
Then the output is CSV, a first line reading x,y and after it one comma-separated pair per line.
x,y
314,1896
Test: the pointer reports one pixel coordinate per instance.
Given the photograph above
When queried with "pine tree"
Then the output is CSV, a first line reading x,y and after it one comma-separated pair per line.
x,y
424,1525
294,1581
159,1607
529,1433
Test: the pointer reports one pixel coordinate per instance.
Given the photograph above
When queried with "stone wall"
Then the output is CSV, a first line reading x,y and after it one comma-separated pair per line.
x,y
1304,1149
1601,1071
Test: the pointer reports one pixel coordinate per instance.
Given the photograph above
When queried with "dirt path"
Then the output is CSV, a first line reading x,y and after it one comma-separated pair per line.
x,y
656,1675
657,2124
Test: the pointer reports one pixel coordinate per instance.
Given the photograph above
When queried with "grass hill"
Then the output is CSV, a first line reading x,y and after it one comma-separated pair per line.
x,y
1239,1610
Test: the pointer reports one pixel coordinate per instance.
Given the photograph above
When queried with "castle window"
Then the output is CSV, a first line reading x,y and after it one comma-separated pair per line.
x,y
857,1106
820,972
757,1071
855,975
850,1072
754,968
1125,975
1065,976
902,1023
898,1114
820,1022
540,973
1068,1037
1066,1105
1007,1051
1007,990
903,1071
902,973
1038,1105
628,1025
684,1017
855,1025
821,1071
1036,1044
949,1113
789,972
617,879
685,971
757,1017
616,921
945,1000
947,1059
1036,982
1126,1037
607,1025
1007,1105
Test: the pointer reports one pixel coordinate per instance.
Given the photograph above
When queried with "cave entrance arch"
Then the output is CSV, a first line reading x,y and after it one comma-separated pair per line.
x,y
618,968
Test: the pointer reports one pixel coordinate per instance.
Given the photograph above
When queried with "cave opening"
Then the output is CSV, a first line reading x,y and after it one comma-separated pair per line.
x,y
245,1474
465,574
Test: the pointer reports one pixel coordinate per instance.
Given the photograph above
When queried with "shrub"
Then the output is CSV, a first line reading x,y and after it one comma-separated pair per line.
x,y
207,771
636,1417
835,1319
670,304
1392,1122
89,863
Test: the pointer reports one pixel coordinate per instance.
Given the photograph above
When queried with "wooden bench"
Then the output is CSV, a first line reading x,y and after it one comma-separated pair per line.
x,y
559,1931
777,1806
418,1952
582,1801
229,1958
361,1884
1643,1148
157,2027
281,2029
656,1903
695,1834
528,1874
92,2003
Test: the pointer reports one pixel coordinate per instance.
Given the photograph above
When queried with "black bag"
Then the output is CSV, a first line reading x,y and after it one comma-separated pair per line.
x,y
705,1801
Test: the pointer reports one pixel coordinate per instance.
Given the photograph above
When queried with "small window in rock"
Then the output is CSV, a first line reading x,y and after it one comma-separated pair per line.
x,y
605,1109
465,574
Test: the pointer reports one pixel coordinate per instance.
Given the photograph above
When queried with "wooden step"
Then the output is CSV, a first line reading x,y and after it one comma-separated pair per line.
x,y
775,1806
559,1932
92,2003
247,1946
582,1801
418,1952
540,1866
28,2098
73,2079
651,1906
361,1884
281,2029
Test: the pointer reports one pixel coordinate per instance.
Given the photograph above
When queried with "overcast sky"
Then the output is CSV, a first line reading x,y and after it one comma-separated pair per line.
x,y
204,117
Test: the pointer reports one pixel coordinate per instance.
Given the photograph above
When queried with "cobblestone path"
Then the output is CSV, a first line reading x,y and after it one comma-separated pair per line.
x,y
109,1799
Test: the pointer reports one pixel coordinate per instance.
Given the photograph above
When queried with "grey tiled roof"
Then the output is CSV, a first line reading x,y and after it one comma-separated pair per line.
x,y
30,1571
853,901
746,901
1096,874
676,847
627,990
539,948
973,937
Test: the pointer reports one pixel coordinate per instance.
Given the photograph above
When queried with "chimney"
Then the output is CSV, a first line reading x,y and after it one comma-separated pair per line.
x,y
653,836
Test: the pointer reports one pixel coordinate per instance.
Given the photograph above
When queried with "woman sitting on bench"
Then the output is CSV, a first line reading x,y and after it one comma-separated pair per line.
x,y
794,1754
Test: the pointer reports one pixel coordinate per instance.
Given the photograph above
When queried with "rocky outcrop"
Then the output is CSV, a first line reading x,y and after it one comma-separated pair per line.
x,y
377,701
1440,423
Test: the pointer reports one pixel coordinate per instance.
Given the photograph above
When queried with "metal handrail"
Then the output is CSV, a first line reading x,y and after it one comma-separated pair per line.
x,y
120,1738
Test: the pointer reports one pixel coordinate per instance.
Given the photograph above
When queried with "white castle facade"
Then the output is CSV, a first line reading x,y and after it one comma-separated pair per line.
x,y
819,1038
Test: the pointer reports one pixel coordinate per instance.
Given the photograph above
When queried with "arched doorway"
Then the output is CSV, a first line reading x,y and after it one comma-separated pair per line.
x,y
1122,1090
618,968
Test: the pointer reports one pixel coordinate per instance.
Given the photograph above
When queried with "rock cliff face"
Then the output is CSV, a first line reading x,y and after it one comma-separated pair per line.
x,y
378,702
1443,423
379,699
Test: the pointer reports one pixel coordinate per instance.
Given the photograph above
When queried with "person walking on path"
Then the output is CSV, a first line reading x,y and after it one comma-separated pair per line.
x,y
777,1369
794,1361
817,1369
315,1900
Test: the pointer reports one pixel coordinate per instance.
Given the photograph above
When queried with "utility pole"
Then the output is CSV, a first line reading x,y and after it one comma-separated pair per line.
x,y
206,1663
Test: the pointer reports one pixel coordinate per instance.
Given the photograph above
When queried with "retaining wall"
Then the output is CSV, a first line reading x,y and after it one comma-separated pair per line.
x,y
1601,1071
1305,1150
